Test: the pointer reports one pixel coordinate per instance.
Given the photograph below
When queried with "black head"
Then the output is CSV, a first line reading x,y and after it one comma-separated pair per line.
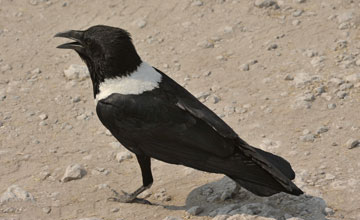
x,y
107,51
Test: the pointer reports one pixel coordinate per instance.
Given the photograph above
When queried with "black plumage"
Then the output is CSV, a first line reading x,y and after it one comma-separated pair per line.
x,y
169,124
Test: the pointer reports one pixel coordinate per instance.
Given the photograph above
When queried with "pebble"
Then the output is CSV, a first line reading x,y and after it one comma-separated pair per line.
x,y
206,44
172,218
322,129
228,29
344,17
115,145
344,26
141,23
124,155
90,219
272,47
266,4
308,138
5,68
78,72
114,210
331,106
46,210
299,1
296,22
328,211
346,86
197,3
352,143
36,71
195,210
341,94
15,193
297,13
316,61
353,78
289,77
245,67
43,116
73,172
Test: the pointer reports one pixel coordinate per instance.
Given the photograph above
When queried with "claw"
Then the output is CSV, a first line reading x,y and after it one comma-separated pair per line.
x,y
127,198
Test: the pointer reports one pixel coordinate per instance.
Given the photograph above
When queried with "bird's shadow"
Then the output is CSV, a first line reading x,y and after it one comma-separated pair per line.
x,y
220,198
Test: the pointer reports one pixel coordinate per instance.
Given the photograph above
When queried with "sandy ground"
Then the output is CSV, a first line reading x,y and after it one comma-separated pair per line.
x,y
284,79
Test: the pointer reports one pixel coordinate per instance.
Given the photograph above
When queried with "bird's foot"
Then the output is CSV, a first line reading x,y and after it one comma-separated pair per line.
x,y
127,198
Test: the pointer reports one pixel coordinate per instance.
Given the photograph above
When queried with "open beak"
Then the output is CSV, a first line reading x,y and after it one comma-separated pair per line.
x,y
77,36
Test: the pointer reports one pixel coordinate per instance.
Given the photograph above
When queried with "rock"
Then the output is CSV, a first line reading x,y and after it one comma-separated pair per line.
x,y
228,29
322,129
206,44
15,193
141,23
346,86
43,116
36,71
301,79
78,72
297,13
353,78
299,1
344,17
124,155
115,145
296,22
46,210
114,210
245,67
172,218
73,172
308,138
341,94
272,47
197,3
331,106
328,211
336,81
5,68
266,4
316,61
352,143
195,210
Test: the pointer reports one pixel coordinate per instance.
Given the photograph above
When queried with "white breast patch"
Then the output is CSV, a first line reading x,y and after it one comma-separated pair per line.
x,y
145,78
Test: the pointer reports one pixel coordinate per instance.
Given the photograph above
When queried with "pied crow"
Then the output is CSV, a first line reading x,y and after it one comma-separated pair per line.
x,y
154,117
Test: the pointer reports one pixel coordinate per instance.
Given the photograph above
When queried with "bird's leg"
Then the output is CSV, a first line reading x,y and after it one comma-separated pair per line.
x,y
145,165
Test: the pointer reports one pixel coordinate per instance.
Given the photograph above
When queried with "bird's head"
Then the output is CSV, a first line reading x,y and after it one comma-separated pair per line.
x,y
107,51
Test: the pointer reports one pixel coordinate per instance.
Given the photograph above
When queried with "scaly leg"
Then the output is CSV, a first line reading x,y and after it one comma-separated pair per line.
x,y
145,166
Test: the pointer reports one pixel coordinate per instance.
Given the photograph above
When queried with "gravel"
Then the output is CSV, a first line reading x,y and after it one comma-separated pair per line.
x,y
15,193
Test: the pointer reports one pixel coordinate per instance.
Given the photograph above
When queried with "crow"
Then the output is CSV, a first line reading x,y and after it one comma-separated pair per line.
x,y
154,117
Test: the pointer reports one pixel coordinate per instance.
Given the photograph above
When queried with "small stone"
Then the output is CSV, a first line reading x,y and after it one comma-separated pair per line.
x,y
121,156
46,210
206,44
329,176
43,116
15,193
336,81
266,4
357,63
353,78
76,99
197,3
322,129
346,86
296,22
73,172
331,106
245,67
79,72
44,174
344,17
352,143
228,29
141,23
172,218
297,13
328,211
115,145
114,210
90,219
316,61
344,26
195,210
5,68
341,94
299,1
36,71
215,99
272,47
308,138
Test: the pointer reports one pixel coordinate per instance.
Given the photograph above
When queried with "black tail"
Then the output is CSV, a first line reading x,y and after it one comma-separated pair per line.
x,y
262,173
